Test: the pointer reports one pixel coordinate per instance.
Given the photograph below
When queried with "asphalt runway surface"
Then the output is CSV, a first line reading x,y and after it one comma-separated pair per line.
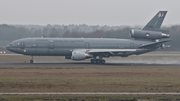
x,y
154,59
82,64
89,93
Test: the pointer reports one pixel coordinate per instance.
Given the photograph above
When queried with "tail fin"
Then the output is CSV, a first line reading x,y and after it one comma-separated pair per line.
x,y
156,22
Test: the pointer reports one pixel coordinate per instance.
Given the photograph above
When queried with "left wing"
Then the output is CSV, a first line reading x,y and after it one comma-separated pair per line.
x,y
110,50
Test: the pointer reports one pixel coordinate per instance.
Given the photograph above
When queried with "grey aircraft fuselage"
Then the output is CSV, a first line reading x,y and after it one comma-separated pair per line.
x,y
65,46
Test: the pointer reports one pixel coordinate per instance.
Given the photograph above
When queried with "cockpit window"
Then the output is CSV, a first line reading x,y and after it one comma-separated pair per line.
x,y
14,44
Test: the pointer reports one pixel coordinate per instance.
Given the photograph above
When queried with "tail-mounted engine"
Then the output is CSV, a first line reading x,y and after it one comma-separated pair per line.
x,y
143,34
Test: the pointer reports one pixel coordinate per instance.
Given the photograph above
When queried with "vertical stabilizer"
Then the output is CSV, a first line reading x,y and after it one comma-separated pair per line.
x,y
156,22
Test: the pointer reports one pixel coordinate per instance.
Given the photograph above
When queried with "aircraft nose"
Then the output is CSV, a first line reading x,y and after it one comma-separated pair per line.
x,y
9,47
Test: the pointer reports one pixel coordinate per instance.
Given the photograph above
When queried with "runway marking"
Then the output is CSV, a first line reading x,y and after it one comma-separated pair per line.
x,y
89,93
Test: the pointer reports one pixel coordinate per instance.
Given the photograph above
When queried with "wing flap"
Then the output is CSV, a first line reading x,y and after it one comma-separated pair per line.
x,y
110,50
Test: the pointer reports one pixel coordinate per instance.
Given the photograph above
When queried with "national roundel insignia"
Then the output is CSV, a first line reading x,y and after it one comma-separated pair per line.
x,y
147,34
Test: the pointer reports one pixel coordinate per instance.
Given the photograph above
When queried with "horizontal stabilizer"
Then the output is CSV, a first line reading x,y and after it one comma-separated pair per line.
x,y
161,30
154,44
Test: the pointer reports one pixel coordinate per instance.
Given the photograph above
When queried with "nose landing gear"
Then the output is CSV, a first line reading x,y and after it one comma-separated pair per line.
x,y
32,61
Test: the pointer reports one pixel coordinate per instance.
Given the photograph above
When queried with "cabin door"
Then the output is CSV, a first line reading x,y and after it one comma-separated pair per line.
x,y
22,45
52,50
132,46
87,45
51,45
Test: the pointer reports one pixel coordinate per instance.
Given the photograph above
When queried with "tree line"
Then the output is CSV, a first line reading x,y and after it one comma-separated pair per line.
x,y
9,33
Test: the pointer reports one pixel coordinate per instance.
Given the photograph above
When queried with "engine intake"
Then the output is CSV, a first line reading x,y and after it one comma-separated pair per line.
x,y
78,55
143,34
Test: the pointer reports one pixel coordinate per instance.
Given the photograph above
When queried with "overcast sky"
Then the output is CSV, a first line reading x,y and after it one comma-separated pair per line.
x,y
90,12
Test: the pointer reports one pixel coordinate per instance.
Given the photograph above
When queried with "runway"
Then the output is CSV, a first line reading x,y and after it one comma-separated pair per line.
x,y
147,60
150,59
82,64
89,93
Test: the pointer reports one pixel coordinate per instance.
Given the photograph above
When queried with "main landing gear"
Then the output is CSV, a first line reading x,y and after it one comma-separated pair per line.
x,y
32,61
98,61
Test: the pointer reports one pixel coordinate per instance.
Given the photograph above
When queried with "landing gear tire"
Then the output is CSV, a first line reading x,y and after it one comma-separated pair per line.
x,y
102,61
97,61
93,61
31,61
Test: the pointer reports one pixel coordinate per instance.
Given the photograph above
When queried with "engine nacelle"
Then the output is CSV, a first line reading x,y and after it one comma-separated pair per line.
x,y
143,34
78,55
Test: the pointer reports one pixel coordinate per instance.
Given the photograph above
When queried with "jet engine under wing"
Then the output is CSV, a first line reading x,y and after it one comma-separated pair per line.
x,y
154,44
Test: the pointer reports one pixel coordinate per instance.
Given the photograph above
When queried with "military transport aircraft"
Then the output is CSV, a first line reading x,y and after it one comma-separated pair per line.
x,y
147,39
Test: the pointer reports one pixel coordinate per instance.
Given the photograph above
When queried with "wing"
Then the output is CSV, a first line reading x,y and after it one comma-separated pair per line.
x,y
153,45
109,51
